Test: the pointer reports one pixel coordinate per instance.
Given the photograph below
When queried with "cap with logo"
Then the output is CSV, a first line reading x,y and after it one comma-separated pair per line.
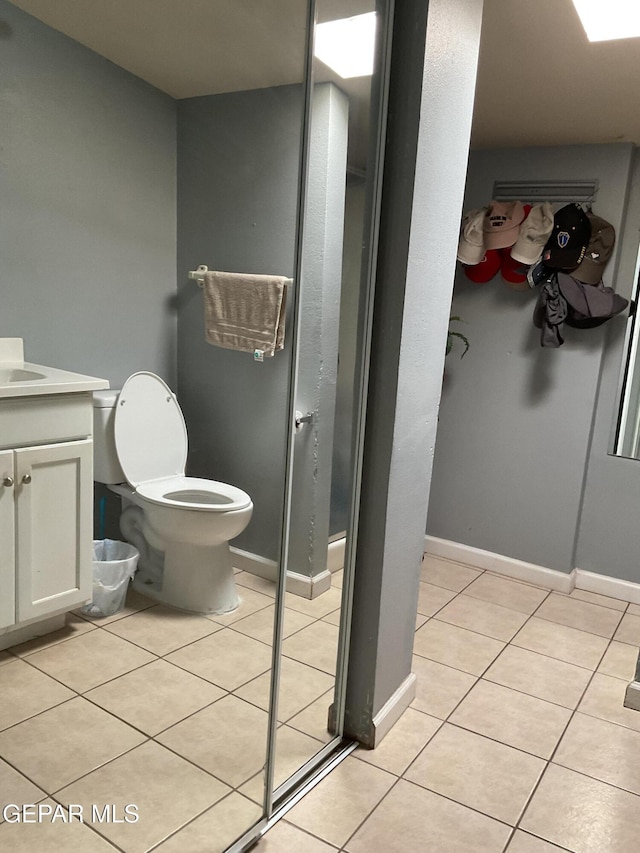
x,y
567,245
599,250
471,246
502,224
533,235
486,269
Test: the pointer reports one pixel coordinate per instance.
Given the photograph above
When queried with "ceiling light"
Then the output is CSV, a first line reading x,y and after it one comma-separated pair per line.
x,y
347,45
604,20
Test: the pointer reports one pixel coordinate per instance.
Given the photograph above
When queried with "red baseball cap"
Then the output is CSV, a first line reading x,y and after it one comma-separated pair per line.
x,y
486,269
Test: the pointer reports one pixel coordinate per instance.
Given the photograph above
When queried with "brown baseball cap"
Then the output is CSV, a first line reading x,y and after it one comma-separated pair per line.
x,y
599,250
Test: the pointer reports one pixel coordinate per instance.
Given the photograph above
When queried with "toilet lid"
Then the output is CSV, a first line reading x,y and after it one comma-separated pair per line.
x,y
149,430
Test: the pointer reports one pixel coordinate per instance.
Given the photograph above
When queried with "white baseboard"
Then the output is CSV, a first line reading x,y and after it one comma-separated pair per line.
x,y
393,708
531,573
335,557
498,563
298,584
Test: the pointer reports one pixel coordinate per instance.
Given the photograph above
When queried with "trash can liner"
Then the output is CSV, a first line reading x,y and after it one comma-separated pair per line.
x,y
114,564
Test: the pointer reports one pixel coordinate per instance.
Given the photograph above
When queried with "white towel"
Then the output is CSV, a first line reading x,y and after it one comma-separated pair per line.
x,y
245,312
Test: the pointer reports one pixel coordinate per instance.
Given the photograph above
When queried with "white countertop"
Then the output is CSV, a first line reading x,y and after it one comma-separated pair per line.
x,y
50,380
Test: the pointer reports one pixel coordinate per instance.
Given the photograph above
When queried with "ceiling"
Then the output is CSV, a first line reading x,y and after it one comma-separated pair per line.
x,y
540,82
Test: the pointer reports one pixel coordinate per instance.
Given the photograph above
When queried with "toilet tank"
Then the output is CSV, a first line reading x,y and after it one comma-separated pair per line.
x,y
106,468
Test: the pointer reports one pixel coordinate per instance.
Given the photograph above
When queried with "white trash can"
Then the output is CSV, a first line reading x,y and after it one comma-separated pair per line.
x,y
114,564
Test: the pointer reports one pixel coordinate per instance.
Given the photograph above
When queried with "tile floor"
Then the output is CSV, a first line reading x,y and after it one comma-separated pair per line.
x,y
517,740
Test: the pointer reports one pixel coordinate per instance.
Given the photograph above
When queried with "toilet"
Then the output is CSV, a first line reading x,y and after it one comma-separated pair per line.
x,y
181,525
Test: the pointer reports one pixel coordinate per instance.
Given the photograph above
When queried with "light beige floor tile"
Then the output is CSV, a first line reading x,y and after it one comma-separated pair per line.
x,y
316,607
161,629
61,744
565,610
256,583
432,598
446,573
26,691
602,600
333,810
286,838
507,593
592,818
456,647
413,819
316,645
300,685
403,743
513,718
561,642
155,696
629,630
134,603
421,620
293,750
335,616
541,676
477,772
225,658
620,661
216,829
522,842
483,617
259,625
167,791
51,835
250,602
439,688
604,699
5,657
633,610
227,739
16,789
73,628
90,659
614,758
314,719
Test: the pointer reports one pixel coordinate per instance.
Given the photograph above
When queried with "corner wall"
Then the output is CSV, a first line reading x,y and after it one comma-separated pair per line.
x,y
516,420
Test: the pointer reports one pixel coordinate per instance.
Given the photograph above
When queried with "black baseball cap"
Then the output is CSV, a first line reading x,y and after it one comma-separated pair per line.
x,y
567,245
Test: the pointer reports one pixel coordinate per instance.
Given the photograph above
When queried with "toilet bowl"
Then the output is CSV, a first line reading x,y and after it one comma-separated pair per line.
x,y
181,525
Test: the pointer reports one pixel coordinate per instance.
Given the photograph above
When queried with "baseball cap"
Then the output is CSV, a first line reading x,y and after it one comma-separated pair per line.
x,y
513,272
567,244
599,250
471,244
502,223
486,269
589,305
533,235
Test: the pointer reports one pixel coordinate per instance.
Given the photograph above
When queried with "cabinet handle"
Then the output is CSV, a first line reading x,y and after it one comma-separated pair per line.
x,y
26,479
8,482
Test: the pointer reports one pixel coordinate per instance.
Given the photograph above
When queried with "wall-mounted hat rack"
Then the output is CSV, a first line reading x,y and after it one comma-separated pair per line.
x,y
582,192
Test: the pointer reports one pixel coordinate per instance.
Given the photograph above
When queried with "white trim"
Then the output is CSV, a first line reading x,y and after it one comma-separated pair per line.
x,y
335,555
501,565
298,584
394,708
12,636
603,585
531,573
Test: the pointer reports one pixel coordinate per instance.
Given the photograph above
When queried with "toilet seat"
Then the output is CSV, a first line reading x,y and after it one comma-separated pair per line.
x,y
151,443
195,493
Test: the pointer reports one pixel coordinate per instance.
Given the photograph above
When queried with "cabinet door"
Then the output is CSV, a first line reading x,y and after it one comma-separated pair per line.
x,y
54,510
7,540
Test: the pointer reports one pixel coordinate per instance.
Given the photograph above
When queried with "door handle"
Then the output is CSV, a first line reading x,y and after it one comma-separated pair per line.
x,y
7,481
26,479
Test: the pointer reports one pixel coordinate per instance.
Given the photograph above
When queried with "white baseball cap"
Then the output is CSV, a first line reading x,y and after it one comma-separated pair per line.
x,y
533,235
471,246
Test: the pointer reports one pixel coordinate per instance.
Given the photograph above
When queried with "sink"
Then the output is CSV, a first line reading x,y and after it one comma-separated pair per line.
x,y
17,374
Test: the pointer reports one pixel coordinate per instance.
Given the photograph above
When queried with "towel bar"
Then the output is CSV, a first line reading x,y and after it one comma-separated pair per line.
x,y
198,275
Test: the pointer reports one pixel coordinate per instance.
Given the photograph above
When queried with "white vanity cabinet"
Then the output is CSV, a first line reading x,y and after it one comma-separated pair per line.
x,y
46,510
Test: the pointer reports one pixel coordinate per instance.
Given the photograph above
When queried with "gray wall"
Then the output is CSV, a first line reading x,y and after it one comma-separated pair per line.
x,y
238,181
429,126
87,207
514,435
